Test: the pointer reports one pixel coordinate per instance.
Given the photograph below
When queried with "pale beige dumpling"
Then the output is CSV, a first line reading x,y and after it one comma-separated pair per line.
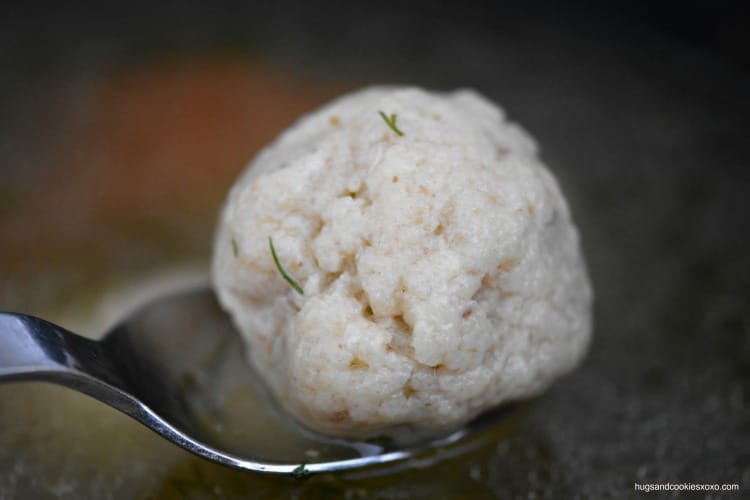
x,y
441,270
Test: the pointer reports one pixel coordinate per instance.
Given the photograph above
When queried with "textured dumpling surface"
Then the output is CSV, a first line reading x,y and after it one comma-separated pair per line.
x,y
442,272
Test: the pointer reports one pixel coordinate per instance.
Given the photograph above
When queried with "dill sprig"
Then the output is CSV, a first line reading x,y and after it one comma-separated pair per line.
x,y
301,472
391,122
281,269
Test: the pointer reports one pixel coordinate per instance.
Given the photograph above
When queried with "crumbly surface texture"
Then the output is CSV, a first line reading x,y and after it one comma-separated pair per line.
x,y
442,272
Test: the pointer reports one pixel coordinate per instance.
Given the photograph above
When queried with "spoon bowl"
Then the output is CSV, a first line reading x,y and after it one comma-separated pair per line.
x,y
177,365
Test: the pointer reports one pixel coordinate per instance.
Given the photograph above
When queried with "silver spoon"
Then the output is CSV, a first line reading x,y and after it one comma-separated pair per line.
x,y
160,367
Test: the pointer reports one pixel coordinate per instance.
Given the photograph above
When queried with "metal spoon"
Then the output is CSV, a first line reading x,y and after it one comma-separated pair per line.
x,y
162,366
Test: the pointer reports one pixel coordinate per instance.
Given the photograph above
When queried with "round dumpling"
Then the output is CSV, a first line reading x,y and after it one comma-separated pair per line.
x,y
439,271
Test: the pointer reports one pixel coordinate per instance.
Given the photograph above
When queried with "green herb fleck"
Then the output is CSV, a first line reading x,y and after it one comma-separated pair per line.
x,y
382,440
283,273
391,122
301,472
235,248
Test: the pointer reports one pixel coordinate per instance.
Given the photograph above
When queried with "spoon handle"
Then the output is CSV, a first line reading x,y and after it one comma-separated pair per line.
x,y
34,349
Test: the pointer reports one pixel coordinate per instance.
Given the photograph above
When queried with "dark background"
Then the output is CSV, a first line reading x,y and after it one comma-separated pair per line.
x,y
642,112
50,33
